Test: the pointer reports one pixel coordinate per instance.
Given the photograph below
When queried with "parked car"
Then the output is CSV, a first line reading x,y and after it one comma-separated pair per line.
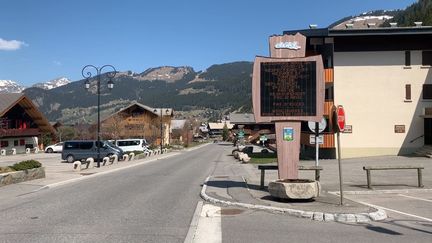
x,y
130,145
83,149
55,148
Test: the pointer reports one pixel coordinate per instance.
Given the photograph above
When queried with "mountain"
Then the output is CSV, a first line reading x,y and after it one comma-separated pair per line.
x,y
378,17
52,83
420,11
218,90
9,86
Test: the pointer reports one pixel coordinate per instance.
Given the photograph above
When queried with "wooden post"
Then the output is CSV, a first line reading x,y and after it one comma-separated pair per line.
x,y
288,151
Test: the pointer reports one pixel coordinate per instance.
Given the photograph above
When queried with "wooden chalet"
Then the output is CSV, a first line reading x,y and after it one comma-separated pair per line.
x,y
139,121
21,123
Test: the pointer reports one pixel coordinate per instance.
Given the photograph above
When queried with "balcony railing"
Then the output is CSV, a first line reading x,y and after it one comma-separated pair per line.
x,y
19,132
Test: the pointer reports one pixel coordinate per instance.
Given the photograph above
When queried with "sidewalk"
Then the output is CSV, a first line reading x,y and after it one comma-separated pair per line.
x,y
236,184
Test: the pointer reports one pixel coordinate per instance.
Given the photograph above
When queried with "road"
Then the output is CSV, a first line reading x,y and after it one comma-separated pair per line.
x,y
154,202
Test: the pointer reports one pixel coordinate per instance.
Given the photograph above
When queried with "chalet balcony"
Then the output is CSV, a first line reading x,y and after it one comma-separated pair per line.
x,y
19,132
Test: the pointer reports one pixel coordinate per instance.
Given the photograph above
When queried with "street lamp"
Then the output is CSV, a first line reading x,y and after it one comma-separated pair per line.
x,y
161,126
86,73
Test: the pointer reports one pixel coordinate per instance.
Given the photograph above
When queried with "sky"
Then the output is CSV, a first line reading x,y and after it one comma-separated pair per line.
x,y
45,39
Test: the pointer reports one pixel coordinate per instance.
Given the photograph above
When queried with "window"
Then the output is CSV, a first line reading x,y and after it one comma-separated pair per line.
x,y
4,144
427,58
408,92
427,91
407,58
15,143
22,142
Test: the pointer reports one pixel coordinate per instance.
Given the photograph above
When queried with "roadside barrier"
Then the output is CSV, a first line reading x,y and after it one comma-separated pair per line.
x,y
131,156
125,157
3,152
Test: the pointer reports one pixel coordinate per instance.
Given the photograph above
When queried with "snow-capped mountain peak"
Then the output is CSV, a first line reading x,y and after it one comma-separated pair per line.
x,y
53,83
9,86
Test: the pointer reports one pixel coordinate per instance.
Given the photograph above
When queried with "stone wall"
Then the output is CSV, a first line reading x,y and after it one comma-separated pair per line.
x,y
21,176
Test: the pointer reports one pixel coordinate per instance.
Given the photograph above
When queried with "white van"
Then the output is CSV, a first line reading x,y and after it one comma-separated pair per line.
x,y
130,145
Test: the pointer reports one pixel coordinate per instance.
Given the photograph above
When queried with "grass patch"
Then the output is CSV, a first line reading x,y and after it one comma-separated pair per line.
x,y
6,169
263,158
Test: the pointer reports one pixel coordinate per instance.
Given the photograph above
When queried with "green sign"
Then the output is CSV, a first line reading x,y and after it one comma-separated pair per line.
x,y
241,134
263,138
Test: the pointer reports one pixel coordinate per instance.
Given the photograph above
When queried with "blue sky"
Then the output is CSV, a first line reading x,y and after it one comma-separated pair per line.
x,y
45,39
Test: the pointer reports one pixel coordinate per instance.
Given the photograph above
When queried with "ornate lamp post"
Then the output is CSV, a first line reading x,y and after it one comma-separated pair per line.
x,y
86,73
161,126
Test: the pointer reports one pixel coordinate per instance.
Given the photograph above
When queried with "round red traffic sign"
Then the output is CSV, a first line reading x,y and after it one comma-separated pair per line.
x,y
340,114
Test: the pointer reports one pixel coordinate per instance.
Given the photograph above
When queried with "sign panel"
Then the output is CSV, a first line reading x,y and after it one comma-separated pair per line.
x,y
340,114
399,128
312,139
263,138
321,125
288,89
348,129
288,134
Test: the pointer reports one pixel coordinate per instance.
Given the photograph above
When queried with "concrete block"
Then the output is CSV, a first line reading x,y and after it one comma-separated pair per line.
x,y
77,166
115,159
27,151
318,216
329,217
125,157
3,152
90,163
105,160
131,156
13,151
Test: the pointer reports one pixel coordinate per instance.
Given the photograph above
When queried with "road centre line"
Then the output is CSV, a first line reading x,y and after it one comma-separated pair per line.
x,y
416,198
395,211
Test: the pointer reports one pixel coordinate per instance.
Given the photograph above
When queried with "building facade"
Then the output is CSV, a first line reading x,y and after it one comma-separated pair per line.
x,y
22,125
139,121
383,78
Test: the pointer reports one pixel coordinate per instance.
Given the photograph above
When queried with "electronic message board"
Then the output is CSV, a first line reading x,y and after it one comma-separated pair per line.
x,y
288,88
285,89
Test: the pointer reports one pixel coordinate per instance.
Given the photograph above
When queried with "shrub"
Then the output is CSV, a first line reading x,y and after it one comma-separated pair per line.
x,y
25,165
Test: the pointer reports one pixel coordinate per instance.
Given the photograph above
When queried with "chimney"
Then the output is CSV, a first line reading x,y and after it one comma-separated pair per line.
x,y
349,26
418,24
393,25
313,26
371,25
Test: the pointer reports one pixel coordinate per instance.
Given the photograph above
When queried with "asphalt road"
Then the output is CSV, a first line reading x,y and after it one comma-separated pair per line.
x,y
154,202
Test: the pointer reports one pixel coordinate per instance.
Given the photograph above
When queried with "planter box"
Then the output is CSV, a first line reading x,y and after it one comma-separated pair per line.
x,y
21,176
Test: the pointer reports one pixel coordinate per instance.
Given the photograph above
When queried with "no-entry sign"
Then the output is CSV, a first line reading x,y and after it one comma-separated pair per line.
x,y
340,114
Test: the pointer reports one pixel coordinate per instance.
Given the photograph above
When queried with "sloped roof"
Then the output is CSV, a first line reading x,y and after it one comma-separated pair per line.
x,y
155,111
178,124
9,100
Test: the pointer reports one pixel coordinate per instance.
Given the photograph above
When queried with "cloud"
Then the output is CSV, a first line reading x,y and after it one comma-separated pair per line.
x,y
11,45
57,63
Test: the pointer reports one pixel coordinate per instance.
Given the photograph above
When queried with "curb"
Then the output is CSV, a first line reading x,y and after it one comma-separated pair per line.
x,y
318,216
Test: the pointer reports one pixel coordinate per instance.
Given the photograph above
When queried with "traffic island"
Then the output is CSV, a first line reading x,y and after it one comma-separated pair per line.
x,y
293,189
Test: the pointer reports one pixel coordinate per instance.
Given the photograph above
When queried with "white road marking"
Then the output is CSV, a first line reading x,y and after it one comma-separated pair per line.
x,y
209,228
396,211
416,198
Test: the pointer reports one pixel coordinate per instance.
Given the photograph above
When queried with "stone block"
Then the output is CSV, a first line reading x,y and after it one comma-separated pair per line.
x,y
77,166
294,189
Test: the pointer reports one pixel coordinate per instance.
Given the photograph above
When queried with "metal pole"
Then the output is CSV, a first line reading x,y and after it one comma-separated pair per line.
x,y
87,74
161,142
98,119
340,168
316,144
